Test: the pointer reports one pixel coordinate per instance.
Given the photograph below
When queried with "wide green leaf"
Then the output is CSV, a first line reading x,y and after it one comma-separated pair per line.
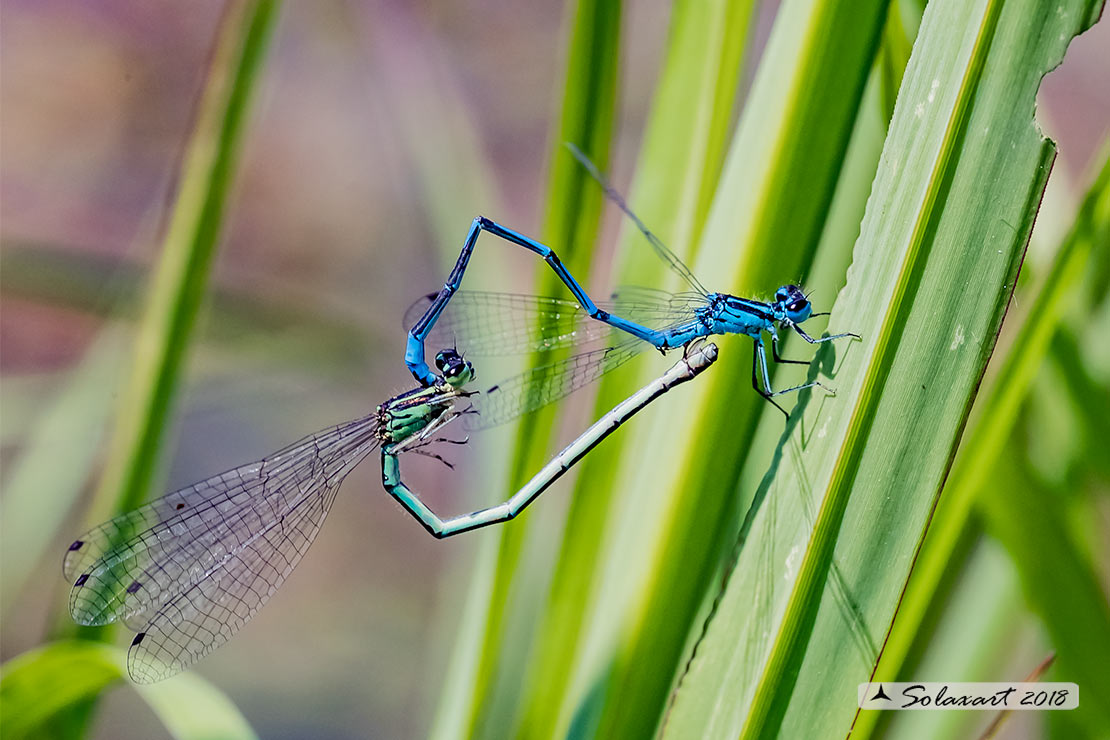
x,y
1059,579
38,492
676,179
38,684
996,413
842,509
178,283
672,525
586,115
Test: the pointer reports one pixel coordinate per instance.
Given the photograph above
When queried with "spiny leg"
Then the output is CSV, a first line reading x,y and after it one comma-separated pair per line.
x,y
432,455
445,440
775,351
424,437
756,354
811,340
767,392
424,440
414,352
803,386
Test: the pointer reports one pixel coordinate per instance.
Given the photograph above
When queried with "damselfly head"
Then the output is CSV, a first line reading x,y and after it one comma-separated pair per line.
x,y
791,304
455,370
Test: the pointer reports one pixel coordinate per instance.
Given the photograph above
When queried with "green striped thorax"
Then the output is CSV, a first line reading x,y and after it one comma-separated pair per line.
x,y
404,416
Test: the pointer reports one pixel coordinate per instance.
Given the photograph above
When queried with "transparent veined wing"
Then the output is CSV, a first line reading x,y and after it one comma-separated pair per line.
x,y
655,308
206,615
544,384
664,253
189,569
487,324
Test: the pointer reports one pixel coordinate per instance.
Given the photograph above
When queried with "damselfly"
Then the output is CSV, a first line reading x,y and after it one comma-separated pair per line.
x,y
498,323
188,570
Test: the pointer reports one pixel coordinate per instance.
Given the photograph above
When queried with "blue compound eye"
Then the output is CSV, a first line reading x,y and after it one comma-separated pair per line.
x,y
447,358
452,365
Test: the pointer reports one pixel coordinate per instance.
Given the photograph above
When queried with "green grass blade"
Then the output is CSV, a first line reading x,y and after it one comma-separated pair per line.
x,y
996,413
895,53
56,275
984,634
676,179
669,531
455,181
845,503
687,135
1060,582
587,110
178,284
38,684
38,491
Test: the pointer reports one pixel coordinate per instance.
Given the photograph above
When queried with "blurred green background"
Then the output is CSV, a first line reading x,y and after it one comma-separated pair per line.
x,y
378,130
337,224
